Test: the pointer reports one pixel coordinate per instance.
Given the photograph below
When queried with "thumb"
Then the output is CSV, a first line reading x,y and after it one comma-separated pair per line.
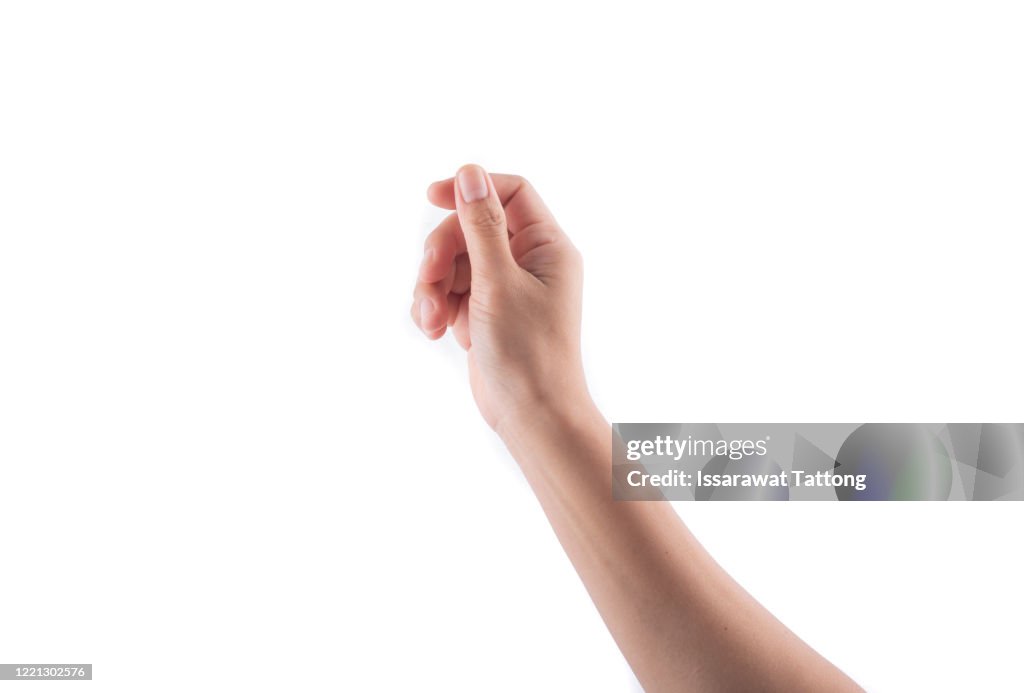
x,y
483,221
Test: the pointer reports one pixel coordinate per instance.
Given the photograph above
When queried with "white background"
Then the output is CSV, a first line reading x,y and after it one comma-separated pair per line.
x,y
228,460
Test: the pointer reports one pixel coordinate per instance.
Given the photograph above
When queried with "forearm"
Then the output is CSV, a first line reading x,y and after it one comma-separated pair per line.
x,y
678,618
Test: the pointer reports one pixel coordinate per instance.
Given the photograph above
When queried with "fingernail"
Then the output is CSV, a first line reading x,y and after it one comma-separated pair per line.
x,y
426,309
472,183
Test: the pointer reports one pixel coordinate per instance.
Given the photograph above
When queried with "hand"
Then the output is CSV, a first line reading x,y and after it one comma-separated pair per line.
x,y
502,274
505,278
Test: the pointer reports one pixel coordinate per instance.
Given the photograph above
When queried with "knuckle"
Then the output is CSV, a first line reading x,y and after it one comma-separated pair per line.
x,y
520,186
571,258
520,182
488,217
439,236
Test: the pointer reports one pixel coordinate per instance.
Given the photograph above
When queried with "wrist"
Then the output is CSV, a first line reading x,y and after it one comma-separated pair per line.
x,y
543,418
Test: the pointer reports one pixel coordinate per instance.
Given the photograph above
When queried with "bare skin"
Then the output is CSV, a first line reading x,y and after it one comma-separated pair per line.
x,y
503,277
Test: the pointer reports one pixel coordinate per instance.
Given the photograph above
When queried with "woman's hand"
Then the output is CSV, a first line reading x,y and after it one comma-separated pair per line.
x,y
506,279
